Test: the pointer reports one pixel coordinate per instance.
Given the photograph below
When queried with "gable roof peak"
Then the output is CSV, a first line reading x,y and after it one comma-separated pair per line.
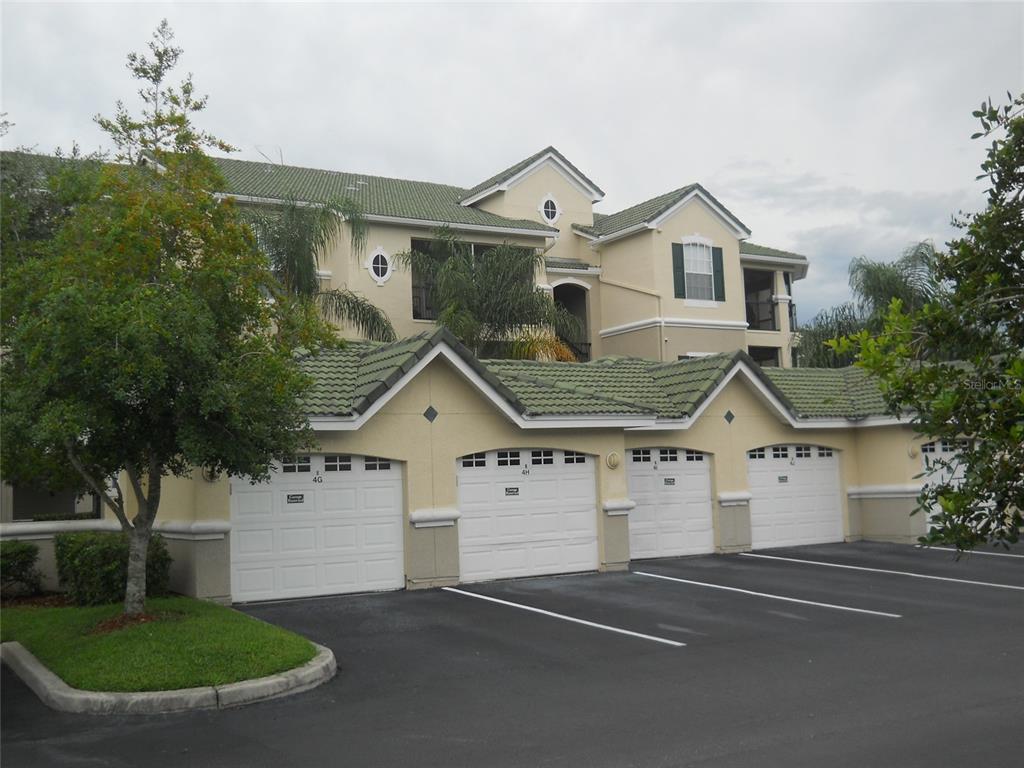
x,y
511,175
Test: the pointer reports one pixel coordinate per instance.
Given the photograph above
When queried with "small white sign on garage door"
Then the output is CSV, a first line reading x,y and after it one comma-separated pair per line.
x,y
794,496
323,524
672,491
526,512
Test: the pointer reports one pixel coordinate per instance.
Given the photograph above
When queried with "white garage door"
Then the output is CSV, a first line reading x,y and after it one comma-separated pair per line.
x,y
794,496
672,491
945,450
526,513
322,525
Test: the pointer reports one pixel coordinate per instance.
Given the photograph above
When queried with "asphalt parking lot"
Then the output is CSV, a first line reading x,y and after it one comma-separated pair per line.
x,y
840,655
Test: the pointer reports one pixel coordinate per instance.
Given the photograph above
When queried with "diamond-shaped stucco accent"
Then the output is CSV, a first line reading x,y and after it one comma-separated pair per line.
x,y
430,414
729,416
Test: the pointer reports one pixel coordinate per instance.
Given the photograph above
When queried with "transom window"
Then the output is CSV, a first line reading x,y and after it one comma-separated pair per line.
x,y
700,273
337,463
574,457
694,455
295,464
668,454
757,453
376,463
780,451
508,458
475,460
641,455
542,457
803,451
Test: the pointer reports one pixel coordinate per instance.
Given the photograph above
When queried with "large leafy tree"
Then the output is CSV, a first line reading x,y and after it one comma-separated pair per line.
x,y
978,399
911,278
295,236
138,339
489,300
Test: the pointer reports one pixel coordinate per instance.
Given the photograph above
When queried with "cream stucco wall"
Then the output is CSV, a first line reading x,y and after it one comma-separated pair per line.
x,y
754,425
873,461
523,201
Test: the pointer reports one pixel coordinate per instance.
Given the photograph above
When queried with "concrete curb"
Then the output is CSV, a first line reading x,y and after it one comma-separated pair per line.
x,y
57,694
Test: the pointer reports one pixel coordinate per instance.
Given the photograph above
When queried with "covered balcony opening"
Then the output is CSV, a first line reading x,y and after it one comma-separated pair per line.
x,y
573,298
758,285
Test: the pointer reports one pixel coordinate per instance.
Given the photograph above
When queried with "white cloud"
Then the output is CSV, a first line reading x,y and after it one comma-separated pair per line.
x,y
833,129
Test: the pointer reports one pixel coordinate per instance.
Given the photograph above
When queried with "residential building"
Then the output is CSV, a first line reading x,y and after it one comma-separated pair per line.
x,y
669,278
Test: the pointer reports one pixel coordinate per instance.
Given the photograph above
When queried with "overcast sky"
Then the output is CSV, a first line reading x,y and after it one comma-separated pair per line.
x,y
832,130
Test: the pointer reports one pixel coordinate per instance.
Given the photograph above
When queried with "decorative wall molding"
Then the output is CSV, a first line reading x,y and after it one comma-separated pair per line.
x,y
434,517
617,507
883,491
200,530
734,498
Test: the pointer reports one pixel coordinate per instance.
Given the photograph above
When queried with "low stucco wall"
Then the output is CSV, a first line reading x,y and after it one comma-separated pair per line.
x,y
890,519
200,565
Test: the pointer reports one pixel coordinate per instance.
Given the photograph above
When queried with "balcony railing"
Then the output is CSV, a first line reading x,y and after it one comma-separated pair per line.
x,y
579,348
761,316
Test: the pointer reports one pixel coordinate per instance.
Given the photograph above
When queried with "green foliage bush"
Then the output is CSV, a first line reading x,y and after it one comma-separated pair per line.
x,y
93,567
18,566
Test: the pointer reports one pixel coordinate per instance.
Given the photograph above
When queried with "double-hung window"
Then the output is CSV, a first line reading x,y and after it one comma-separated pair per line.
x,y
697,270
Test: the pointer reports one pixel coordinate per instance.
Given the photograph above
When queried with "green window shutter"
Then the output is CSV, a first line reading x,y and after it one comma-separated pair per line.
x,y
678,270
719,274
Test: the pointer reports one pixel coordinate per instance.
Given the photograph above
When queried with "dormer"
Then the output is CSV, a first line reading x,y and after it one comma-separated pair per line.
x,y
545,188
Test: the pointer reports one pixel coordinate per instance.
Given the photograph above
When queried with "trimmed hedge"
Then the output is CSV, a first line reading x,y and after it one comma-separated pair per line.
x,y
93,567
18,566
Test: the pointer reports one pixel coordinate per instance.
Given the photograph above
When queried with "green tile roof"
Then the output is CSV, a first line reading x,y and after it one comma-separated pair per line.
x,y
645,212
566,263
348,381
377,195
512,170
753,249
605,386
823,392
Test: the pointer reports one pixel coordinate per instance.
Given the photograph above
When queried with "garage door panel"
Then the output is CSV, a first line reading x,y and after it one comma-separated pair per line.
x,y
341,537
255,542
297,541
384,534
339,500
673,514
253,503
319,533
517,523
253,581
341,576
794,499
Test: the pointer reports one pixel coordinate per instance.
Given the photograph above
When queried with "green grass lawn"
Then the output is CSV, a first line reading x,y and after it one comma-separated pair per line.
x,y
193,643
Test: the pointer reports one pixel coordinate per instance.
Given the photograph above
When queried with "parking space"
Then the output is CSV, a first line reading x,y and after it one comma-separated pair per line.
x,y
709,660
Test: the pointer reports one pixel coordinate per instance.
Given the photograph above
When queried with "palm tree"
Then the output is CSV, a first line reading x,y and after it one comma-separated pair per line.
x,y
295,236
911,279
487,298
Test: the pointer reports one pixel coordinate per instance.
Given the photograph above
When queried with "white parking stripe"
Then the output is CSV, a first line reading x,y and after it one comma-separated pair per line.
x,y
970,551
563,617
773,597
882,570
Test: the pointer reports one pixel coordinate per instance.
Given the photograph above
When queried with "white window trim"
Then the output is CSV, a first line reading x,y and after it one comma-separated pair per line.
x,y
697,239
558,209
379,251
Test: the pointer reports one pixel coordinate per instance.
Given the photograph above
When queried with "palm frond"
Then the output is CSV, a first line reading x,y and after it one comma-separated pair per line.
x,y
343,306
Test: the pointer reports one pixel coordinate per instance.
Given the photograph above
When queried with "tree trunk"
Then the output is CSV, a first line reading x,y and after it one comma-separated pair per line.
x,y
135,589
